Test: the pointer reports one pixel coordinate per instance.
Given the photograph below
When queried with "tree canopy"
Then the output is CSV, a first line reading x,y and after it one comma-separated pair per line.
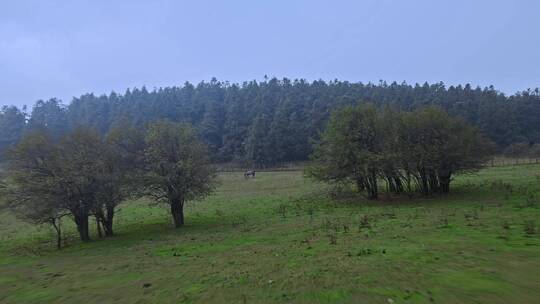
x,y
422,148
263,123
83,174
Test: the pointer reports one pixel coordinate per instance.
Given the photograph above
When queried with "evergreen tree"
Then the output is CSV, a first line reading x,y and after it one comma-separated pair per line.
x,y
12,126
50,116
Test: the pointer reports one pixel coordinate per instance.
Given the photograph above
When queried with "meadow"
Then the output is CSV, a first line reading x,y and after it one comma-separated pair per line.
x,y
281,238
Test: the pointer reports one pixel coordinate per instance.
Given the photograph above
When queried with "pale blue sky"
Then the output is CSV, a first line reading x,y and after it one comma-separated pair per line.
x,y
66,48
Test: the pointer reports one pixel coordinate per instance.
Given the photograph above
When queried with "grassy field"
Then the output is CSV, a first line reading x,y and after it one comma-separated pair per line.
x,y
279,238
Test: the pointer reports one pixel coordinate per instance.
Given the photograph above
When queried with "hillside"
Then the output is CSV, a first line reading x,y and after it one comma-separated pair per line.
x,y
278,238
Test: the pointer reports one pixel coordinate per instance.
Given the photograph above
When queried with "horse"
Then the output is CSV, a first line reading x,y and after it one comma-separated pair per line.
x,y
249,173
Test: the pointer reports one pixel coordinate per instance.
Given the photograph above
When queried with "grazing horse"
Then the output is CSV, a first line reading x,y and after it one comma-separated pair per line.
x,y
249,173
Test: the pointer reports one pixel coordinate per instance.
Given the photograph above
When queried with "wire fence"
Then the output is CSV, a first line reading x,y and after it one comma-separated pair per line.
x,y
498,161
285,166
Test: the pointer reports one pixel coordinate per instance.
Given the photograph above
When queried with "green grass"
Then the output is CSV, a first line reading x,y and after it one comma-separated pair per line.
x,y
279,239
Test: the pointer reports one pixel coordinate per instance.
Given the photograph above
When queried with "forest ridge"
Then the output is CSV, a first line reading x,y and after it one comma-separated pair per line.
x,y
276,120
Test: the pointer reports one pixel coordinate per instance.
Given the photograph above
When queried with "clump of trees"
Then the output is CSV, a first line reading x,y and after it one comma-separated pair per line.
x,y
408,151
84,175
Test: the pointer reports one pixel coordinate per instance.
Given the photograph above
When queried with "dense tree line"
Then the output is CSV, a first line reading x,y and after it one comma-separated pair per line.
x,y
410,151
262,123
84,175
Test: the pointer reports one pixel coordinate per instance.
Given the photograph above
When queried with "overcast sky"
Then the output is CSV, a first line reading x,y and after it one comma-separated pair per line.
x,y
67,48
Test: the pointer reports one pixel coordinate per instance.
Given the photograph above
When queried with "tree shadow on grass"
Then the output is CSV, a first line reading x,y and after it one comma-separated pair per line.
x,y
129,233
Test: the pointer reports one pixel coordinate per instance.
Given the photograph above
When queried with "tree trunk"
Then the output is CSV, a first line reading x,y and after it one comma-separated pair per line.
x,y
360,184
398,184
424,182
390,186
177,211
375,189
445,187
408,187
434,185
108,222
444,181
105,221
98,226
373,192
58,233
82,227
